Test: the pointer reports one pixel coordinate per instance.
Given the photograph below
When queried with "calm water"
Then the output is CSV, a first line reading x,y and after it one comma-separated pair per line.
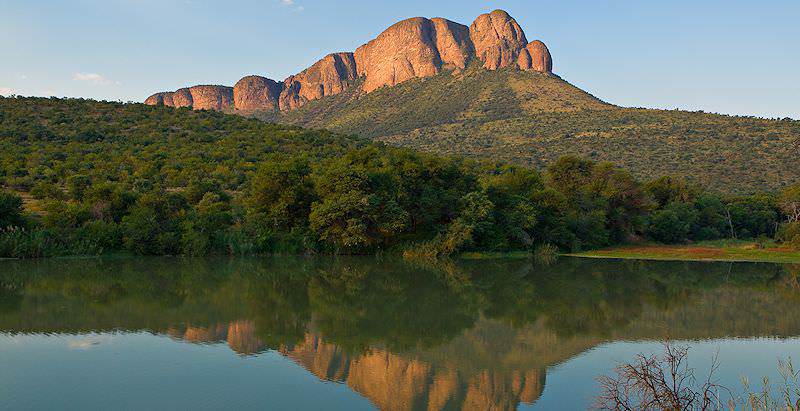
x,y
362,333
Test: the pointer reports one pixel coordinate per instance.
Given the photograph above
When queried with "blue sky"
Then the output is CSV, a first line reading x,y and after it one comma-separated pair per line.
x,y
736,57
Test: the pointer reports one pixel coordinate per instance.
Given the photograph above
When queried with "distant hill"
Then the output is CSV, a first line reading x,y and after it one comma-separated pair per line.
x,y
52,140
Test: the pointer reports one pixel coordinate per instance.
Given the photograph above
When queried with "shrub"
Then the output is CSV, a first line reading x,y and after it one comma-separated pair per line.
x,y
789,235
10,210
672,224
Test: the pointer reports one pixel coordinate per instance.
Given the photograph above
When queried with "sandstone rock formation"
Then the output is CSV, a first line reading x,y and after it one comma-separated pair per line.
x,y
182,98
413,48
535,56
256,93
453,43
498,39
211,97
331,75
160,99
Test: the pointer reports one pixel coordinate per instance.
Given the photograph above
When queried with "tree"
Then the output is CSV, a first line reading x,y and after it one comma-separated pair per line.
x,y
77,185
711,218
512,191
789,202
673,223
668,189
358,206
660,383
569,173
281,192
625,202
10,210
752,216
153,225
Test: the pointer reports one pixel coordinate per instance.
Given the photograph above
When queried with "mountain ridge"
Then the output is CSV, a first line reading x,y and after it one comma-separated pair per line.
x,y
412,48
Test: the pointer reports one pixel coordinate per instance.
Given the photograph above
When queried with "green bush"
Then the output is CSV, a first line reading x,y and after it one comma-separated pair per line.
x,y
10,210
789,234
673,224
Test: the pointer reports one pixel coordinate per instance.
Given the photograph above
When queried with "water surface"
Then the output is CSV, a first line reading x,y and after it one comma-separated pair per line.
x,y
365,333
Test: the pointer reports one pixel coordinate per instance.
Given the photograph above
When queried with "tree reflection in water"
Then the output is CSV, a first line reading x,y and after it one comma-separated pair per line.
x,y
474,334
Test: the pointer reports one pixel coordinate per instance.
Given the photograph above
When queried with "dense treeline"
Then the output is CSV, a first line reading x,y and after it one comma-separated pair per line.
x,y
103,177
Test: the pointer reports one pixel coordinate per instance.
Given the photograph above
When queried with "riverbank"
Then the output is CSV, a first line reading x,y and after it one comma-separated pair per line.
x,y
724,250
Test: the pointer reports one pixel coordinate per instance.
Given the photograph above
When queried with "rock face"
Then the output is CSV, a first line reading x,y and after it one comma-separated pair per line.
x,y
256,93
331,75
197,97
410,49
453,43
413,48
182,98
498,39
535,56
160,99
211,97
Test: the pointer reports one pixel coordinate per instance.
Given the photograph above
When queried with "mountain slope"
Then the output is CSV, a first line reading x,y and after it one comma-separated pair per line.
x,y
533,118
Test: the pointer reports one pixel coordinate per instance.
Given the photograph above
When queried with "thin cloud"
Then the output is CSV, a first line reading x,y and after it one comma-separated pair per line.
x,y
6,91
292,4
93,79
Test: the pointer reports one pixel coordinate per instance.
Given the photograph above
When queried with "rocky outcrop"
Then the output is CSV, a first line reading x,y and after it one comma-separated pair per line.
x,y
256,93
182,98
164,99
453,43
535,56
498,39
211,97
331,75
413,48
197,97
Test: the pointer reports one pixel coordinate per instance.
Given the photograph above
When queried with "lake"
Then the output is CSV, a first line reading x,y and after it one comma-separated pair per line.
x,y
363,333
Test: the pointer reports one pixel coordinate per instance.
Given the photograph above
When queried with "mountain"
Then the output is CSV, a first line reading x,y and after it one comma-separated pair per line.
x,y
485,91
413,48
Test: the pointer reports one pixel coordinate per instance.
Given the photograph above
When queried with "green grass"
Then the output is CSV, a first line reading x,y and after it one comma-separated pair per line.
x,y
719,250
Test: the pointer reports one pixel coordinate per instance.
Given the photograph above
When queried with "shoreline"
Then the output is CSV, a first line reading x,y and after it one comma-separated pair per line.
x,y
740,252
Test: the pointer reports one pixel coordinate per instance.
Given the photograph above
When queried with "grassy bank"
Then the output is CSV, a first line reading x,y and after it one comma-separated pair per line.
x,y
723,250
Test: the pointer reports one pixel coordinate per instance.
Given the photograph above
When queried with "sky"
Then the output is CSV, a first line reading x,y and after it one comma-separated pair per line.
x,y
732,57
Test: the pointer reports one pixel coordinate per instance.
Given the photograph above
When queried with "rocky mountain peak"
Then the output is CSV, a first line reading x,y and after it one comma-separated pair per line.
x,y
498,39
413,48
535,56
256,93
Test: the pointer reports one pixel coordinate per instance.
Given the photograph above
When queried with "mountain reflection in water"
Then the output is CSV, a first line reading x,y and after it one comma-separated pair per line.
x,y
472,334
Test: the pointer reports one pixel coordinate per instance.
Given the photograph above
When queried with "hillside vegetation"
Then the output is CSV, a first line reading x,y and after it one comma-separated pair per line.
x,y
531,119
88,177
